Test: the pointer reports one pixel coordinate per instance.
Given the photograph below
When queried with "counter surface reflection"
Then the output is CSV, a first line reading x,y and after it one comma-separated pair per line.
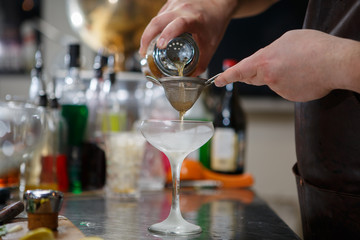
x,y
221,213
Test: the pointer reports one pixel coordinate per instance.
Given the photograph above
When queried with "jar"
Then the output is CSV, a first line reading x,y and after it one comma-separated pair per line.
x,y
43,207
179,58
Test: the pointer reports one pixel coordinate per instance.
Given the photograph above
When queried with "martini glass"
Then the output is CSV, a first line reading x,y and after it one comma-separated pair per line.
x,y
176,139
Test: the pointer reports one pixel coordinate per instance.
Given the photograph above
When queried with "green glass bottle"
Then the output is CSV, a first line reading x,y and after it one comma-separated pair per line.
x,y
75,112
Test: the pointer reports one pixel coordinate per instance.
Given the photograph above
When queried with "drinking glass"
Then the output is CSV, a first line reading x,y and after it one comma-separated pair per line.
x,y
176,139
21,130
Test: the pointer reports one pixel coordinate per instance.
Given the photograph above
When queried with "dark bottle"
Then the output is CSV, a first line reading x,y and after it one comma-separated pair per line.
x,y
228,143
95,100
93,159
75,112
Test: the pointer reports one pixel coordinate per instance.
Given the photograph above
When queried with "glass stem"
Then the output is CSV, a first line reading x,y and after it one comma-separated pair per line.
x,y
175,171
22,184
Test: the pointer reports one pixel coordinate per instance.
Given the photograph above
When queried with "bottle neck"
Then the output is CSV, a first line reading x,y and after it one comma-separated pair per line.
x,y
73,76
73,91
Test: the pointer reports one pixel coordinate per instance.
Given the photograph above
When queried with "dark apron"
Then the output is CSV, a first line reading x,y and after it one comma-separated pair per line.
x,y
328,140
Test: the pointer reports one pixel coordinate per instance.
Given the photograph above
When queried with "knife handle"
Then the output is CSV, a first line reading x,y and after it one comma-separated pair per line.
x,y
11,211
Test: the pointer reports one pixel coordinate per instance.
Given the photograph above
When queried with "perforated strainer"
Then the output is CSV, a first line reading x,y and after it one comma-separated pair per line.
x,y
182,92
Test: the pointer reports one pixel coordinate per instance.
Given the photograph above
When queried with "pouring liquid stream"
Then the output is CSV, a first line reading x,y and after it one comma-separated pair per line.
x,y
180,65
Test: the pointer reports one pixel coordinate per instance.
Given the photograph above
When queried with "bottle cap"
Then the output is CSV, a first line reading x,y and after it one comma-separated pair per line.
x,y
54,103
74,55
43,101
38,61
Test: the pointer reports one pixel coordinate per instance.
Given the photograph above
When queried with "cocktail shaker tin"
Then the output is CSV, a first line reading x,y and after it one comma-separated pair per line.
x,y
180,57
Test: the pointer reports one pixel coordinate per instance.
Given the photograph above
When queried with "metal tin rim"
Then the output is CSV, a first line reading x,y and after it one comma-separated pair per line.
x,y
189,67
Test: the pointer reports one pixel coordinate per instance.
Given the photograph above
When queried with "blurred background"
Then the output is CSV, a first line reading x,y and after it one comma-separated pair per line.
x,y
26,25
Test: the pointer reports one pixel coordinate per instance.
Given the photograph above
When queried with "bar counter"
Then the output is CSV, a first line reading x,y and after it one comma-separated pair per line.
x,y
221,213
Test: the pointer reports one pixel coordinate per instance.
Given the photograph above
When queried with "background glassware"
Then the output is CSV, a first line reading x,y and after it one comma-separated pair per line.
x,y
176,139
21,130
113,25
124,155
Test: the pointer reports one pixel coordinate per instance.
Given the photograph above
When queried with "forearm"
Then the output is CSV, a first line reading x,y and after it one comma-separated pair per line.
x,y
247,8
348,74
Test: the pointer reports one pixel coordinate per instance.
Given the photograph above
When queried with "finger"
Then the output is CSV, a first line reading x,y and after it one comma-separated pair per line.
x,y
164,8
148,35
244,71
154,28
227,77
175,28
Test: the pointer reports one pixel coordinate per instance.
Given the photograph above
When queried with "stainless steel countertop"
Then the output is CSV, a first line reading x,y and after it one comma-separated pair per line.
x,y
222,214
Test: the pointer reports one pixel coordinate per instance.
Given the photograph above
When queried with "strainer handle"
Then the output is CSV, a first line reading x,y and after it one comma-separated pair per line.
x,y
211,80
154,80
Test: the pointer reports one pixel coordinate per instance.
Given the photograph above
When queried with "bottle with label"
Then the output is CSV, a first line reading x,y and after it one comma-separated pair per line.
x,y
58,144
53,155
75,112
228,143
179,58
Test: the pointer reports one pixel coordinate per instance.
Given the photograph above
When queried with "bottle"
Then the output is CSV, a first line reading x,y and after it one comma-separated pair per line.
x,y
75,112
179,58
38,97
113,115
37,85
33,167
227,153
93,159
95,97
57,145
53,155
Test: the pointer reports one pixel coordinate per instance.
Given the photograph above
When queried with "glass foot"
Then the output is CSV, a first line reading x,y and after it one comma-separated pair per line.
x,y
175,224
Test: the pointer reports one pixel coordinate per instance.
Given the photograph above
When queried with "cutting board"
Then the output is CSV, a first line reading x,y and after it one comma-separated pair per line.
x,y
66,230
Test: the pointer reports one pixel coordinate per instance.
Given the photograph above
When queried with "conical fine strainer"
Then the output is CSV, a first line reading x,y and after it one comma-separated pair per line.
x,y
182,92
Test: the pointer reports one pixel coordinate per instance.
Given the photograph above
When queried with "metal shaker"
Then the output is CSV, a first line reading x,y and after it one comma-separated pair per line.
x,y
42,207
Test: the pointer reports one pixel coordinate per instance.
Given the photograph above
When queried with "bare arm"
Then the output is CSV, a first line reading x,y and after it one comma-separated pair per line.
x,y
247,8
302,65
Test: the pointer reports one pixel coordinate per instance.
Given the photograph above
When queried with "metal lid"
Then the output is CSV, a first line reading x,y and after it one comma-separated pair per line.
x,y
43,201
180,49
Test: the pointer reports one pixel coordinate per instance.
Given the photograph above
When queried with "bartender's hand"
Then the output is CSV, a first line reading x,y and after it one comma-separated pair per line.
x,y
302,65
206,20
